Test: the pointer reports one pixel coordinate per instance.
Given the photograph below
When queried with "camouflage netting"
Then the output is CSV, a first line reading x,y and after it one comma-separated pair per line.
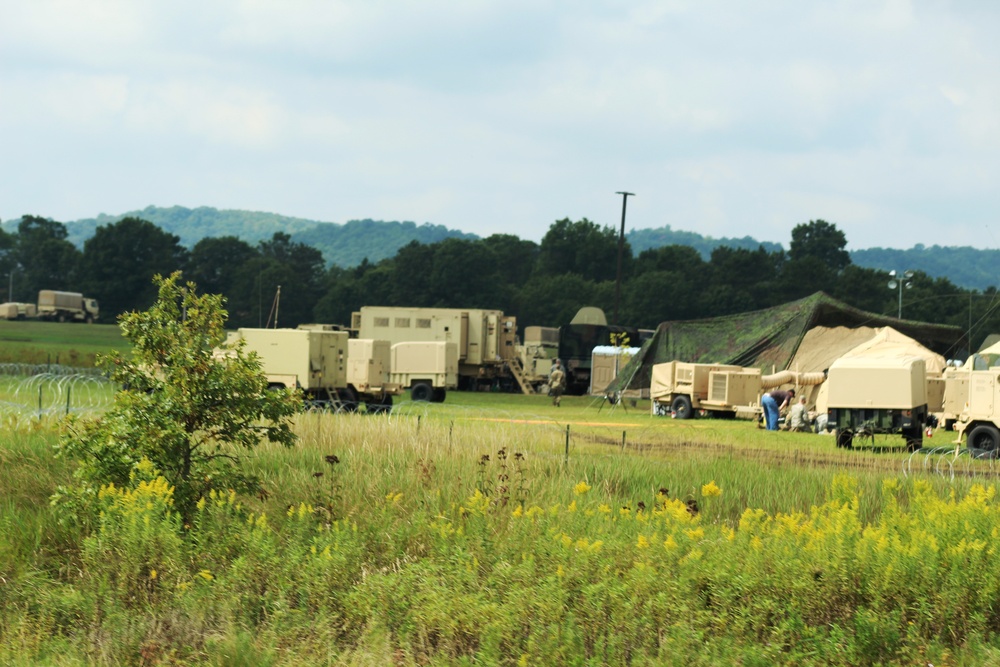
x,y
770,339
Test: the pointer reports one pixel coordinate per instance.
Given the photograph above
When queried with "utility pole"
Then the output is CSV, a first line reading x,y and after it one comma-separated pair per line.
x,y
621,247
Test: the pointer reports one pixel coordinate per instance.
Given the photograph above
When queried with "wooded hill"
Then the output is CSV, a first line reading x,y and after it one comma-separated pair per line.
x,y
347,245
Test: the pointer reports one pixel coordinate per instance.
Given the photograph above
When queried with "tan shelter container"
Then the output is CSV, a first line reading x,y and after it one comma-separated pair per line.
x,y
894,383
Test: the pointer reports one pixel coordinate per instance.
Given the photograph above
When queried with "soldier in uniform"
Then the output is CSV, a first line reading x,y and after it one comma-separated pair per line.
x,y
557,383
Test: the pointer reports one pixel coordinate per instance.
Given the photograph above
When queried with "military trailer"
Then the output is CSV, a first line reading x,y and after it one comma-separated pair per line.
x,y
17,311
680,388
484,340
331,369
606,362
869,396
427,369
66,306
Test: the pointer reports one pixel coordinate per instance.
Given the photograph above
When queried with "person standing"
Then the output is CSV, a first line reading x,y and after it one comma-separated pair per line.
x,y
773,403
557,382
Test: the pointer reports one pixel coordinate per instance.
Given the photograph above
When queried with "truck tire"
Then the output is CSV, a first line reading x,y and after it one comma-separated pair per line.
x,y
439,394
422,392
380,406
62,317
681,407
914,439
348,399
845,438
983,438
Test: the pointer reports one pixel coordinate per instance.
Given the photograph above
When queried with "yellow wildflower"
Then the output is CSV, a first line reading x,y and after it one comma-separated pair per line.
x,y
152,574
642,542
581,488
206,575
518,512
710,490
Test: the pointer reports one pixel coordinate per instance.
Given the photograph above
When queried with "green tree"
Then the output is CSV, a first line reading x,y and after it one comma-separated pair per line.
x,y
7,260
188,411
411,282
552,302
583,248
120,260
821,242
45,258
464,275
295,267
742,280
217,266
516,258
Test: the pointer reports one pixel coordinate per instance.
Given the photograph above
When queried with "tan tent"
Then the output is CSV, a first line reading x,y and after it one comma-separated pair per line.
x,y
889,343
992,349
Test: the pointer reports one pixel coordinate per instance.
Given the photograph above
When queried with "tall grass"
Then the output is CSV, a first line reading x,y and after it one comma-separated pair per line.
x,y
463,533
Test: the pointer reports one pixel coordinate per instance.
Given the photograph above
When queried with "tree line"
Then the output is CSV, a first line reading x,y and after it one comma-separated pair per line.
x,y
545,283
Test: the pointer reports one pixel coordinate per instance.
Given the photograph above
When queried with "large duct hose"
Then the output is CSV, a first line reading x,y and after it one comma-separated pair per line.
x,y
791,377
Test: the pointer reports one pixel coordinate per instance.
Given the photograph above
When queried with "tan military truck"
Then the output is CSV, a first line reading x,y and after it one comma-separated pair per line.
x,y
679,388
66,306
331,369
979,420
869,396
427,369
485,340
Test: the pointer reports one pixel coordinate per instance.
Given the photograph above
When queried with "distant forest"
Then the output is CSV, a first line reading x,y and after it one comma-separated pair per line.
x,y
544,283
347,245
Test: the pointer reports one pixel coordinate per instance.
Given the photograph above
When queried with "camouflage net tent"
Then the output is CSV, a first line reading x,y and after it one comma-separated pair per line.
x,y
770,339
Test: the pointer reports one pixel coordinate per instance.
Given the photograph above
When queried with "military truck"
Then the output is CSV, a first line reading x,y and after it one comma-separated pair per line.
x,y
331,369
868,396
17,311
680,388
427,369
484,339
66,306
979,421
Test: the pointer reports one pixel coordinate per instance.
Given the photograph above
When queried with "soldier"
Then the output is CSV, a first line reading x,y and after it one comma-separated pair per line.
x,y
799,420
557,383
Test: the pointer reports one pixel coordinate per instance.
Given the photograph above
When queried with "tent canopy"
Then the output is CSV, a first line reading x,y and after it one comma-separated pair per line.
x,y
889,343
770,339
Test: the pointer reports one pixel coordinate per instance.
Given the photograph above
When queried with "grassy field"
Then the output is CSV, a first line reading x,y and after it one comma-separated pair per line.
x,y
498,529
69,344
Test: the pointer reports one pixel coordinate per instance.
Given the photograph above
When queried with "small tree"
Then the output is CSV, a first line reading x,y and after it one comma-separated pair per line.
x,y
189,411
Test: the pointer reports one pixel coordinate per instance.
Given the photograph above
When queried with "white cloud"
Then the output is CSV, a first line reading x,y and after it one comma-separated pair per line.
x,y
724,118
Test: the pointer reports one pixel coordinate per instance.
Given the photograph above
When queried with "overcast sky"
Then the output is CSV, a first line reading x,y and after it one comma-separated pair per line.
x,y
726,118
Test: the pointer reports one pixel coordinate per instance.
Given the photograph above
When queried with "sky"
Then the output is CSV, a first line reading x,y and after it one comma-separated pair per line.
x,y
724,118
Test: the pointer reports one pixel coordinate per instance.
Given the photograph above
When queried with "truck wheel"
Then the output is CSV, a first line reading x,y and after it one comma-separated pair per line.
x,y
348,400
914,440
845,438
422,392
62,317
681,407
983,438
439,394
380,406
